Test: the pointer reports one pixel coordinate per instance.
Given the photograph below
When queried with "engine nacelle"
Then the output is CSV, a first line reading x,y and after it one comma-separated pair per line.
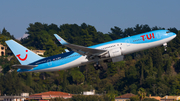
x,y
115,59
112,53
115,55
118,58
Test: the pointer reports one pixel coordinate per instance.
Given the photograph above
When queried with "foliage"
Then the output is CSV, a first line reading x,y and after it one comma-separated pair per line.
x,y
90,98
150,99
77,77
134,98
151,71
141,93
59,99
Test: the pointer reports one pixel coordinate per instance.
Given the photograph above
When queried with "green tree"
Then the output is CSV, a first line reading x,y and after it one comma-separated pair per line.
x,y
87,38
29,79
7,34
141,93
74,89
59,99
150,99
78,77
116,33
134,98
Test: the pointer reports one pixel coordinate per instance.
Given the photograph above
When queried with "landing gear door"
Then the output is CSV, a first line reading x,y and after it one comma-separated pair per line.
x,y
49,62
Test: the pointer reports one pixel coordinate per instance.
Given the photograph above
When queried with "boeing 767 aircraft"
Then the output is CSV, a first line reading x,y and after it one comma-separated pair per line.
x,y
80,55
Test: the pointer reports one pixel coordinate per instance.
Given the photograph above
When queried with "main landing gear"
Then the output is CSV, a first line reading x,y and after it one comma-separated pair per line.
x,y
98,66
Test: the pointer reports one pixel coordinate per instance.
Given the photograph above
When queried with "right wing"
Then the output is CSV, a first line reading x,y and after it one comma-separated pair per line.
x,y
81,49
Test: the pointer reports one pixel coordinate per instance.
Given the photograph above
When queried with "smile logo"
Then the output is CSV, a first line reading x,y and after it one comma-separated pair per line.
x,y
23,58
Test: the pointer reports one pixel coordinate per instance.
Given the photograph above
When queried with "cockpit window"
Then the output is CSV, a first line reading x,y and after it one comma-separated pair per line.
x,y
168,32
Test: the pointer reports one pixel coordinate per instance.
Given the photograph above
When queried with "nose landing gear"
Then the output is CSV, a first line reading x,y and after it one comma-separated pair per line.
x,y
165,46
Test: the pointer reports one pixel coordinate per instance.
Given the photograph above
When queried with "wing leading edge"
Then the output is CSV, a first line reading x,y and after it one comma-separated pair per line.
x,y
80,49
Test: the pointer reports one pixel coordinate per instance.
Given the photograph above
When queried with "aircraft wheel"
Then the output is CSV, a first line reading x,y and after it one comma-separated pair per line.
x,y
101,68
96,68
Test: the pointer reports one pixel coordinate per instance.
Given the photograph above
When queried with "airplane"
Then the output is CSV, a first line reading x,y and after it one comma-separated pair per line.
x,y
109,51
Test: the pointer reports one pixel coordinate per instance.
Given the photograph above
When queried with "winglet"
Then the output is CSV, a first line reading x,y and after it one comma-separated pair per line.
x,y
61,40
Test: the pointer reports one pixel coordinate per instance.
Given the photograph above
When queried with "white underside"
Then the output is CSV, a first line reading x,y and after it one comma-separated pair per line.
x,y
138,47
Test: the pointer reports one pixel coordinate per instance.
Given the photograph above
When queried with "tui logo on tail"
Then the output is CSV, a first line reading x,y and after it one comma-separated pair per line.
x,y
23,58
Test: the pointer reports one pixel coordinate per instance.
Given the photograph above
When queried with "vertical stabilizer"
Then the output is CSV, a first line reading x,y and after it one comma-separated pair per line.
x,y
24,55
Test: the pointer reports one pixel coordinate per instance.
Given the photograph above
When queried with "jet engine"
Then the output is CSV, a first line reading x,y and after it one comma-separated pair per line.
x,y
115,55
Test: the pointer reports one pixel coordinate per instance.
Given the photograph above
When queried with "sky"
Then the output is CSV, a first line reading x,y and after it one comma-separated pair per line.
x,y
16,15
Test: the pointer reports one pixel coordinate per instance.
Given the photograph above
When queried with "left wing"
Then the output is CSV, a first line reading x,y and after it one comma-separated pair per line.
x,y
81,49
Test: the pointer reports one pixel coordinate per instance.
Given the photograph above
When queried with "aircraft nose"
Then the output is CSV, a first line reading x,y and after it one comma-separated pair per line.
x,y
174,35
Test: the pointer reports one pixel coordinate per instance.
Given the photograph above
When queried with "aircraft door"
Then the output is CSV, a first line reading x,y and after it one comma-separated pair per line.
x,y
127,42
49,62
158,35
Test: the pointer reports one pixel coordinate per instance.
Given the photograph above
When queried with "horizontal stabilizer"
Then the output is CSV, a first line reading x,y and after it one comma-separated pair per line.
x,y
24,66
66,50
